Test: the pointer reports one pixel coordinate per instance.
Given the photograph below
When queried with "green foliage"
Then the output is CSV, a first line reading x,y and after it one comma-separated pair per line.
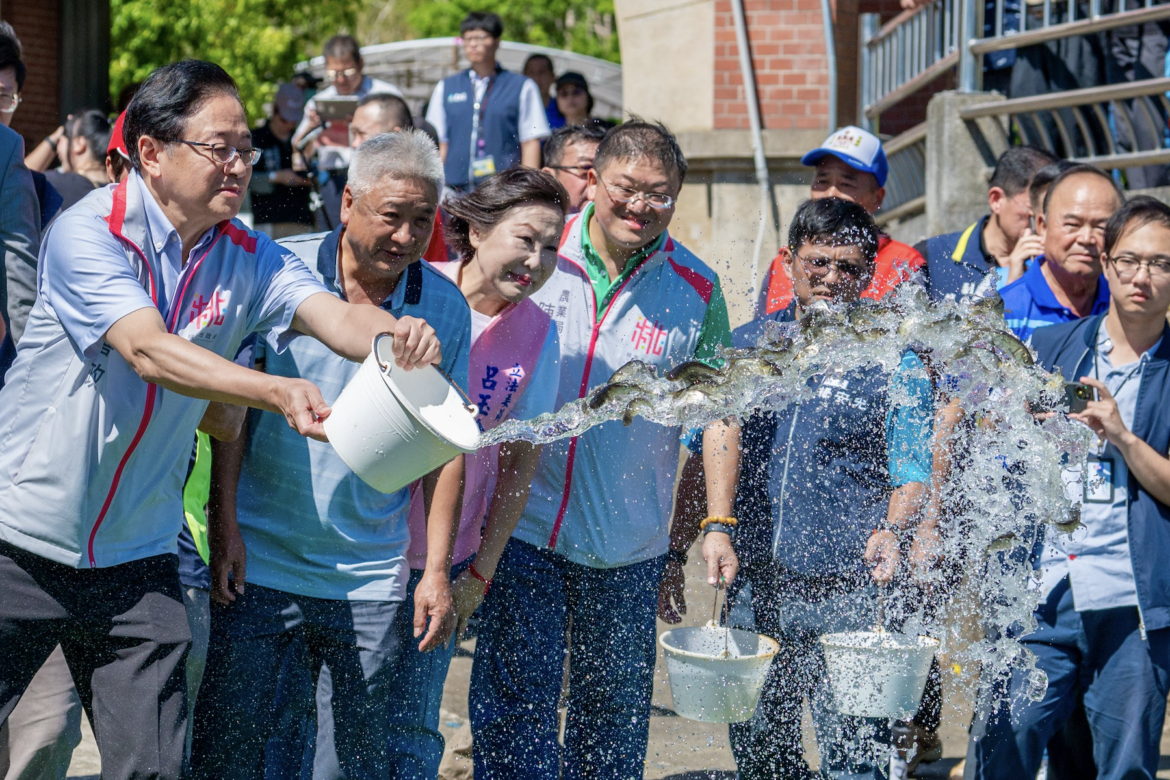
x,y
582,26
257,41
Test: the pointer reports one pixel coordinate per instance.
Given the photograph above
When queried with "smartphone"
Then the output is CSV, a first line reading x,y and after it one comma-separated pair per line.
x,y
1032,223
1077,396
337,108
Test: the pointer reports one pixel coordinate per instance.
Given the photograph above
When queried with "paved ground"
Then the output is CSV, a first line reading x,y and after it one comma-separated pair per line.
x,y
680,749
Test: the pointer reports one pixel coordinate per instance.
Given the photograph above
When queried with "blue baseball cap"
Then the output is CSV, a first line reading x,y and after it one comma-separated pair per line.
x,y
857,148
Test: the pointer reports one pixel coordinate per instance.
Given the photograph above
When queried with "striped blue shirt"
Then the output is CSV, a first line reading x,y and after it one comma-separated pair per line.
x,y
1029,302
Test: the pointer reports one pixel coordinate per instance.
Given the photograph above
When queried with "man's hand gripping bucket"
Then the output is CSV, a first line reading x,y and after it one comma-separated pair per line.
x,y
392,426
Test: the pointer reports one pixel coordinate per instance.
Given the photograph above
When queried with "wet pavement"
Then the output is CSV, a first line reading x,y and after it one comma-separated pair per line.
x,y
680,749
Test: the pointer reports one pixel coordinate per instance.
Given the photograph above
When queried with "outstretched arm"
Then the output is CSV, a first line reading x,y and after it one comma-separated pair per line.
x,y
348,329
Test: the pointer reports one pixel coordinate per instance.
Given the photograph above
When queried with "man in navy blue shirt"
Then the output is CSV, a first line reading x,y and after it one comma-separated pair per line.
x,y
827,488
1105,592
999,243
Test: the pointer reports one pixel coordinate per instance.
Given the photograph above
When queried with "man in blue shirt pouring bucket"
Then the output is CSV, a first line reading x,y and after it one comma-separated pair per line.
x,y
1104,610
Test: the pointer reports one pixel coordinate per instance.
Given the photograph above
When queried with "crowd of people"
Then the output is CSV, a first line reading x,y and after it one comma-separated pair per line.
x,y
191,565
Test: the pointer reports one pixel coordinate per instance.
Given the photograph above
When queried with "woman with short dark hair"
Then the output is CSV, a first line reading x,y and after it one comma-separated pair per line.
x,y
505,235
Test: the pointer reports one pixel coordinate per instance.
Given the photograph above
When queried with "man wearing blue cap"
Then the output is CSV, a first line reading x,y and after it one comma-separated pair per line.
x,y
850,165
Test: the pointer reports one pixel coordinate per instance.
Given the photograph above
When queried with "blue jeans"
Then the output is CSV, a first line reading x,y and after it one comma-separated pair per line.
x,y
1125,682
260,650
769,745
520,659
414,745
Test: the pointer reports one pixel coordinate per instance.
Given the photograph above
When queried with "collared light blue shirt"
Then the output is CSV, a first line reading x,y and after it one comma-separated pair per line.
x,y
92,458
1096,558
169,247
1029,302
312,527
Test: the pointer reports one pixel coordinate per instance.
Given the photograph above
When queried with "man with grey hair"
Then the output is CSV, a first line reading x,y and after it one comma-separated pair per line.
x,y
326,564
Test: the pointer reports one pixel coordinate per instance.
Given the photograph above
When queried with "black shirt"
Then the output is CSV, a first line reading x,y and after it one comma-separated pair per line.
x,y
283,204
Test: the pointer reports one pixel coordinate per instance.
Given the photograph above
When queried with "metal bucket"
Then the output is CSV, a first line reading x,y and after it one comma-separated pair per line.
x,y
392,426
708,685
878,674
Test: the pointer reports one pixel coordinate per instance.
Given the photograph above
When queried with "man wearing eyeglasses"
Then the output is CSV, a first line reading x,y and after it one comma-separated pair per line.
x,y
1103,621
827,490
488,119
568,156
851,164
20,217
343,72
143,289
591,544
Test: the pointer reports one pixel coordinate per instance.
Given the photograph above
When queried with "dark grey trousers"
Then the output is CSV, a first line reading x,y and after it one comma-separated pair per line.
x,y
124,633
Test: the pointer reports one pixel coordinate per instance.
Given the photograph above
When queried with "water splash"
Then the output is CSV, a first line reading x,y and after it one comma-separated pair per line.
x,y
1004,486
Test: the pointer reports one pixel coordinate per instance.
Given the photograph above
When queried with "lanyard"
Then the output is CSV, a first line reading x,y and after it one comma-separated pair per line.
x,y
478,111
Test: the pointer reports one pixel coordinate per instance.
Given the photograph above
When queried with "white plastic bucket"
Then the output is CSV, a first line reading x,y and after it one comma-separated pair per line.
x,y
708,686
878,674
392,426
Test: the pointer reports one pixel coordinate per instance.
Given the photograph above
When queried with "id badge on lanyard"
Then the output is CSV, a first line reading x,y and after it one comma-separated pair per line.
x,y
1092,483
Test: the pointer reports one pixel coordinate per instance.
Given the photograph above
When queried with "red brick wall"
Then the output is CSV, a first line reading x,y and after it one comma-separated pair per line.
x,y
36,24
788,52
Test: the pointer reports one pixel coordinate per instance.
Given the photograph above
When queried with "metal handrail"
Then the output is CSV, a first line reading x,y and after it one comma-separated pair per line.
x,y
916,47
906,138
1069,29
906,183
1114,127
1067,99
908,52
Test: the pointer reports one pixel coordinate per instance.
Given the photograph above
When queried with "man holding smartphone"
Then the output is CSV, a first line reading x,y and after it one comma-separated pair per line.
x,y
1105,594
343,71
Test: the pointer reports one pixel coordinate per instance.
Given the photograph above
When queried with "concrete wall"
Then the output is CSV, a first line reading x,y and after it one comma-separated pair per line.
x,y
719,208
668,58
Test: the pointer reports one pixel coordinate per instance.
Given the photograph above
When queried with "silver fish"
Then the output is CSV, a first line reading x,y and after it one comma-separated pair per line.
x,y
634,371
621,392
693,371
1004,542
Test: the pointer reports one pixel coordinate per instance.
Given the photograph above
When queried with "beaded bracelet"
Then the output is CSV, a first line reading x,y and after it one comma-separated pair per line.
x,y
729,521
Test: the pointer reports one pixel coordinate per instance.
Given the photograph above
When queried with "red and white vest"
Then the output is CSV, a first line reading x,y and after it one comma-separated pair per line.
x,y
604,499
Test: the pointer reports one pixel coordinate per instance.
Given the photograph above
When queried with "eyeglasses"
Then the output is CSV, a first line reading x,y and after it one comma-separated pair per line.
x,y
1127,267
8,103
348,73
224,154
477,40
580,171
620,194
819,266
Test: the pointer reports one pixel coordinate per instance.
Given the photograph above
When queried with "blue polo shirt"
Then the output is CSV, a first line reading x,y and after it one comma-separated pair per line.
x,y
1029,302
312,527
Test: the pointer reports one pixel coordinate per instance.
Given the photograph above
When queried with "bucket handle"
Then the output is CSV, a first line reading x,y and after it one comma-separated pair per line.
x,y
386,367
